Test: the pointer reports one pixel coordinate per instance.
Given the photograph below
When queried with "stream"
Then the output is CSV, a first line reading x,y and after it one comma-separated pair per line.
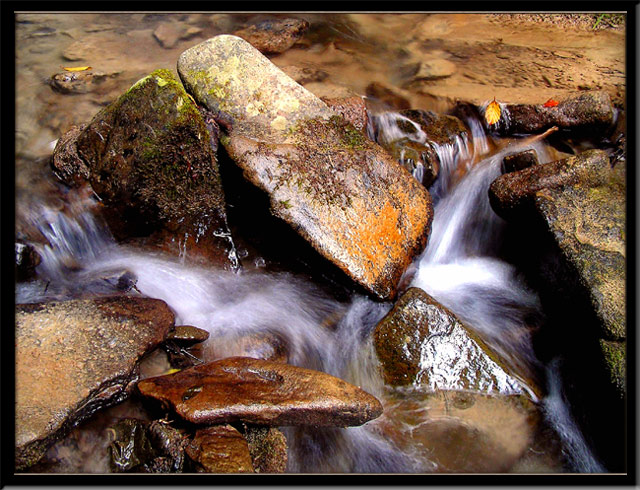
x,y
462,267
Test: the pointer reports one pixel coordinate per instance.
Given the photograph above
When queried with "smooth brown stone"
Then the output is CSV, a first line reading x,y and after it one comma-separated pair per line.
x,y
220,449
261,392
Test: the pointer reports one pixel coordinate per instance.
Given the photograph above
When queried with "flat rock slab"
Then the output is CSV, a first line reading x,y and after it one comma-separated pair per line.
x,y
512,195
263,393
349,198
220,449
76,357
422,342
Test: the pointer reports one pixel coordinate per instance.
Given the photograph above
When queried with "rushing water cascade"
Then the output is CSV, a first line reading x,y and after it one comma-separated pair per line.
x,y
460,268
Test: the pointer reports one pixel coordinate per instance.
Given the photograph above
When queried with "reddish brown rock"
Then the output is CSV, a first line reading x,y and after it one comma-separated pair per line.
x,y
76,357
220,449
261,392
274,36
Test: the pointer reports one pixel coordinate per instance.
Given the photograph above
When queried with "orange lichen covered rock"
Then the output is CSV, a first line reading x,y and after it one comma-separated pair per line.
x,y
350,199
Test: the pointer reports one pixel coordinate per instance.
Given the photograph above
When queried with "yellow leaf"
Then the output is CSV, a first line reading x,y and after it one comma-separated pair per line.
x,y
171,371
492,112
76,68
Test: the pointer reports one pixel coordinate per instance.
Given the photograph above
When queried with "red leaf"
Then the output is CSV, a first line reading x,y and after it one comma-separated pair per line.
x,y
551,103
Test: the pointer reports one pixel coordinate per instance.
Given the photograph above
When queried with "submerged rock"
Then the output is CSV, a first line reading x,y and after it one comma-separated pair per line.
x,y
421,342
512,195
76,357
168,34
463,432
268,449
79,82
305,74
261,392
584,111
340,191
220,449
274,36
389,95
150,158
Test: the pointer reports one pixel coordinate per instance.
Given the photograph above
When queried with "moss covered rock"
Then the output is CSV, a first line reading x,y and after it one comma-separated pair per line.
x,y
421,342
340,191
268,449
615,358
589,226
150,158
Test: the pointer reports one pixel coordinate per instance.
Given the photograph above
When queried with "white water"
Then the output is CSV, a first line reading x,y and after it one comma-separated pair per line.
x,y
459,268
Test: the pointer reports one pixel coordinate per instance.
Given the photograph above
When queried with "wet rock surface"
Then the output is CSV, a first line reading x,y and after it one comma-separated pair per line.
x,y
268,449
261,392
305,74
589,111
519,161
187,335
142,447
274,36
512,195
76,357
27,259
463,432
220,449
421,342
150,159
340,191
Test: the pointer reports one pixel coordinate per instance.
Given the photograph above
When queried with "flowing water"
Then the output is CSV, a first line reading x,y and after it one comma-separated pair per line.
x,y
421,430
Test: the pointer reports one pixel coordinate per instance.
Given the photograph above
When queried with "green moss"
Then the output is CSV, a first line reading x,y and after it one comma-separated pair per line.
x,y
614,354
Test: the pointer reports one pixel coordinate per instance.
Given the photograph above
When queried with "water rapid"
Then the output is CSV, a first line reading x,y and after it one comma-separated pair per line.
x,y
461,268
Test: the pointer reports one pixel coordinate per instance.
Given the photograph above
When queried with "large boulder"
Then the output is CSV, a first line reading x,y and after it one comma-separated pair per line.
x,y
588,225
76,357
584,111
512,195
151,159
261,392
421,342
340,191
